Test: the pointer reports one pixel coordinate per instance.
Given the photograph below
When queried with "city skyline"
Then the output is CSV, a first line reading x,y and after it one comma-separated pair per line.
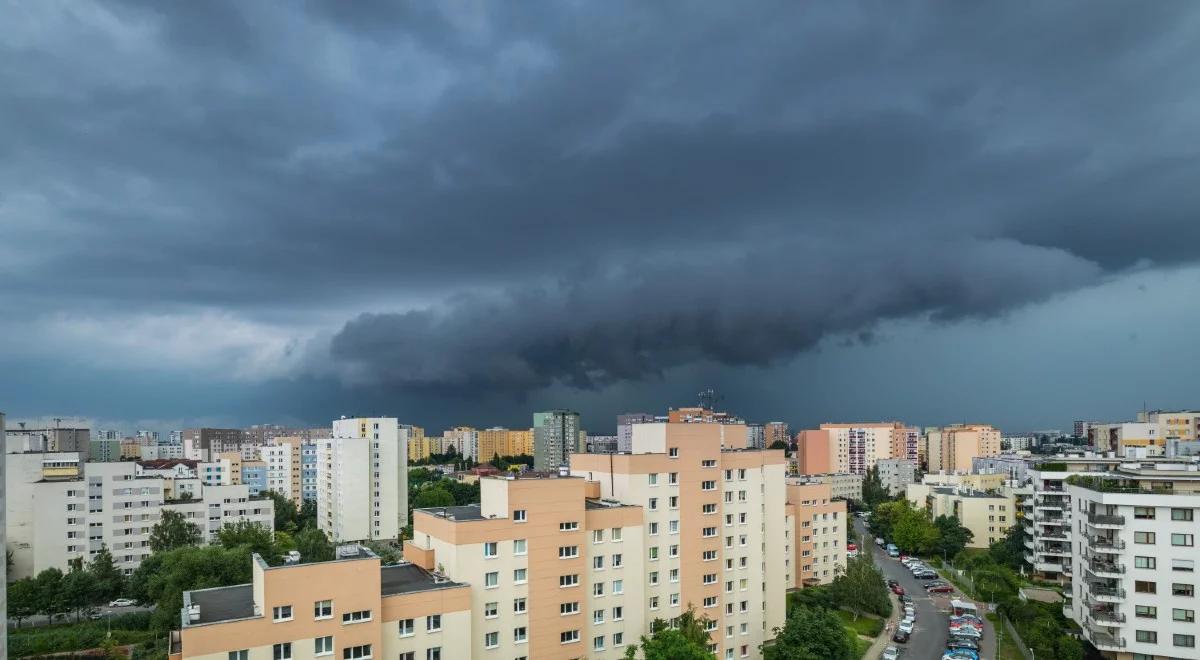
x,y
231,213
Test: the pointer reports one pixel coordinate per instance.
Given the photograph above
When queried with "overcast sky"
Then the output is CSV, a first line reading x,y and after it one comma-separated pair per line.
x,y
459,212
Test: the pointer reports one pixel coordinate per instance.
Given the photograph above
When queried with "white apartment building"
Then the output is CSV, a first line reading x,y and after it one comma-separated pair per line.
x,y
279,467
83,507
362,478
1047,524
843,485
1134,566
896,473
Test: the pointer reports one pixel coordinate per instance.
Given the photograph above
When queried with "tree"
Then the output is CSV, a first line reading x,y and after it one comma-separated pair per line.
x,y
1010,551
286,514
173,531
952,537
811,633
861,588
308,514
162,577
22,600
49,596
109,580
251,536
778,444
388,554
433,497
313,545
874,493
669,644
79,591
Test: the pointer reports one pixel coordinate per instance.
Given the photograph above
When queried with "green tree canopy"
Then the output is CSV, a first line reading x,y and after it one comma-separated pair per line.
x,y
811,633
952,537
49,597
22,600
79,590
861,587
173,531
162,577
251,536
433,497
873,491
110,581
308,514
313,545
286,514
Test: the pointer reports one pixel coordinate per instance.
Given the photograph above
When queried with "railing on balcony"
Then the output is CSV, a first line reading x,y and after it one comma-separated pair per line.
x,y
1103,543
1103,639
1108,592
1105,519
1054,534
1105,567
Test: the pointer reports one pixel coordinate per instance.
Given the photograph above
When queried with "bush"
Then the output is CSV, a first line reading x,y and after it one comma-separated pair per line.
x,y
78,636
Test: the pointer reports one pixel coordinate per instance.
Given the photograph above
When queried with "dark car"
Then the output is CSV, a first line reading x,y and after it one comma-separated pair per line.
x,y
900,636
963,643
940,589
906,599
898,590
892,583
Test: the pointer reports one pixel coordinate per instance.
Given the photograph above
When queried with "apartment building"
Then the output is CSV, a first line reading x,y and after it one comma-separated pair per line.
x,y
499,441
816,533
351,608
842,486
309,472
254,477
856,448
625,429
774,432
200,444
284,459
104,451
917,494
1013,466
953,448
419,446
83,507
1046,509
756,437
362,479
987,515
896,474
555,437
159,452
1134,565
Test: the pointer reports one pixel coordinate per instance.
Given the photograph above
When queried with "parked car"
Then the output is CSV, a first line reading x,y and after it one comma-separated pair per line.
x,y
890,653
906,599
906,626
898,590
901,637
891,582
960,654
963,643
926,575
966,631
122,602
939,588
879,541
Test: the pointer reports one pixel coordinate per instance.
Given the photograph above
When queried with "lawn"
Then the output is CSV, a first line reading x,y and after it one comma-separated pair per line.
x,y
126,629
1008,646
866,625
864,645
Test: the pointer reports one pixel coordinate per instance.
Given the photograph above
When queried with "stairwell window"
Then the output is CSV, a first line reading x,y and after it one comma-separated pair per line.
x,y
356,617
281,613
520,515
361,652
568,637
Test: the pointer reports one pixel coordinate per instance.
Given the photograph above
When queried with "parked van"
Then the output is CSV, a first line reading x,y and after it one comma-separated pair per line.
x,y
879,541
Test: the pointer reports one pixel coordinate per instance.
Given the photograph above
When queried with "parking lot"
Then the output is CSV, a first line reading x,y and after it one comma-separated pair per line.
x,y
930,633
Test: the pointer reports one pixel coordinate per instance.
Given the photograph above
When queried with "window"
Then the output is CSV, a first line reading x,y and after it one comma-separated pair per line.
x,y
653,529
323,609
708,463
618,639
520,515
568,580
1147,636
673,551
1144,587
1143,512
709,508
1145,611
323,645
1187,616
519,547
519,605
569,526
434,653
356,617
1181,589
566,609
616,560
282,613
520,634
652,478
568,637
708,532
618,586
673,527
597,536
406,627
673,452
653,553
653,578
1181,514
710,555
568,551
710,601
433,623
653,504
654,602
710,578
1144,562
1186,565
598,589
244,654
1145,538
597,616
356,652
598,563
674,577
491,550
673,478
520,576
708,485
1185,540
282,651
410,655
598,642
1183,640
491,580
675,600
491,640
618,613
491,610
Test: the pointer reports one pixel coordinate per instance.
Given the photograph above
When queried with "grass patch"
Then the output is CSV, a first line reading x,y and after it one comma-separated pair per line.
x,y
862,646
61,638
866,624
1008,645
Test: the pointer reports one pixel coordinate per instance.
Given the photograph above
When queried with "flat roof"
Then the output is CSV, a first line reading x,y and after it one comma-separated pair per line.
x,y
222,603
467,512
410,578
592,505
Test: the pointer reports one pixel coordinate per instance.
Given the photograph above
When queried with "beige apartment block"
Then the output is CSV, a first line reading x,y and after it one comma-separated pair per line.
x,y
987,515
856,447
817,533
953,448
350,608
419,446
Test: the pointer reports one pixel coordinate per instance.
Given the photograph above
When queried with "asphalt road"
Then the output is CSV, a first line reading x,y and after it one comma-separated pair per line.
x,y
929,636
39,620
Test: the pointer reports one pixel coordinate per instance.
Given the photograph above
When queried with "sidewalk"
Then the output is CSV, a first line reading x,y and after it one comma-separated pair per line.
x,y
885,637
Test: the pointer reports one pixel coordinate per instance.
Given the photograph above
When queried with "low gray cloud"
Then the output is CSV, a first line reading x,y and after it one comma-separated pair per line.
x,y
476,196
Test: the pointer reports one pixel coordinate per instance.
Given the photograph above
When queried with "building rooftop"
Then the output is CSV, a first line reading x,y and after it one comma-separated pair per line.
x,y
603,504
219,604
468,512
410,578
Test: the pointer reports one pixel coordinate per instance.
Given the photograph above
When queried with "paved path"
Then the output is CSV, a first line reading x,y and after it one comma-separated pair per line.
x,y
928,640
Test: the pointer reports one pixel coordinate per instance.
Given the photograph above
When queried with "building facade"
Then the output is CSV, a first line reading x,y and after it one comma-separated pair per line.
x,y
555,438
817,533
3,542
855,448
987,515
954,448
842,486
362,479
896,474
625,429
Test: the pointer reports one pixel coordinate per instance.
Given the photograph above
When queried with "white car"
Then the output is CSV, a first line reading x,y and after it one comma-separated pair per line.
x,y
906,626
890,653
910,613
121,602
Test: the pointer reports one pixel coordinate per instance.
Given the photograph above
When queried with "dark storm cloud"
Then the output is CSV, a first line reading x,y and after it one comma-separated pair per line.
x,y
516,196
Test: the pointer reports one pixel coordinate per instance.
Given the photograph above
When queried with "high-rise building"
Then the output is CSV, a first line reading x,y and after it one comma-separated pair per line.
x,y
555,437
602,444
362,480
1133,591
58,434
104,451
953,448
895,474
200,444
817,533
855,447
625,429
756,436
493,442
813,452
464,440
419,447
987,515
776,432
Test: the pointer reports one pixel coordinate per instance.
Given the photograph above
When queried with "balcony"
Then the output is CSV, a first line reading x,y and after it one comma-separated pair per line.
x,y
1060,534
1107,545
1030,557
1056,521
1107,617
1105,521
1029,543
1104,640
1107,594
1106,569
1047,567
